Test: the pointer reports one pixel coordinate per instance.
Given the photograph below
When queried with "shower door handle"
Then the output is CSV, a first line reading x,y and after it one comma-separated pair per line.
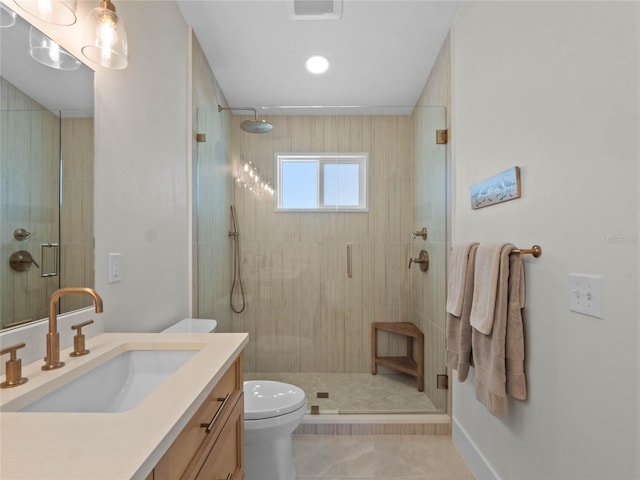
x,y
50,272
349,256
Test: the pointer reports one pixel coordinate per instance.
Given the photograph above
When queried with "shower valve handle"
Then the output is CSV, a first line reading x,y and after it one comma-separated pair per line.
x,y
420,233
416,260
422,260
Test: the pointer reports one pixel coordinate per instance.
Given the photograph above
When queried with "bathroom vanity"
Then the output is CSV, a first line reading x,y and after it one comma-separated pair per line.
x,y
189,425
211,444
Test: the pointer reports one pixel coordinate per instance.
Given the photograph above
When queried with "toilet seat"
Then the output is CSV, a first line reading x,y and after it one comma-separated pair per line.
x,y
268,399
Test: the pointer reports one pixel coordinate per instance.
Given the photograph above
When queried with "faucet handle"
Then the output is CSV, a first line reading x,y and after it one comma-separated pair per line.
x,y
78,339
13,367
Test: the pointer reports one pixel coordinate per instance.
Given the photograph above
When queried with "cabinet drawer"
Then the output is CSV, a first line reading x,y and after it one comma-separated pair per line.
x,y
226,459
203,428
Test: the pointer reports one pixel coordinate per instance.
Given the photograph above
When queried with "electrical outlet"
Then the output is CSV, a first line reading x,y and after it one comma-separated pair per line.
x,y
585,294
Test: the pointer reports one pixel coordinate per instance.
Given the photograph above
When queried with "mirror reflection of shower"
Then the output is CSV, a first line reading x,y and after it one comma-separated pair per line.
x,y
237,274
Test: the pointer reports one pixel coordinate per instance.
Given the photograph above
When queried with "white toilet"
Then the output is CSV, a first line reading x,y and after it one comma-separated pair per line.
x,y
272,411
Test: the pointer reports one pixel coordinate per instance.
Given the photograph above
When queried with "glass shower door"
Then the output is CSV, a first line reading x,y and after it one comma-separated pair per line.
x,y
30,213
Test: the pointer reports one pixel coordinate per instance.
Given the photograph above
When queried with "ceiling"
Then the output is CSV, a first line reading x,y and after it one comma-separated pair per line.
x,y
380,52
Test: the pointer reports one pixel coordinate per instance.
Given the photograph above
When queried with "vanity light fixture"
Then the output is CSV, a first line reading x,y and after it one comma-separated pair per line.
x,y
317,64
58,12
7,17
104,38
49,53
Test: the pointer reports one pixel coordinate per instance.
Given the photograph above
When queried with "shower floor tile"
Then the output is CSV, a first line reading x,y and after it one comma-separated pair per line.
x,y
351,393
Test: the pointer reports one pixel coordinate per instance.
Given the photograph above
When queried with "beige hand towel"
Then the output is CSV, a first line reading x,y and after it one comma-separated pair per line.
x,y
489,349
486,286
457,279
458,354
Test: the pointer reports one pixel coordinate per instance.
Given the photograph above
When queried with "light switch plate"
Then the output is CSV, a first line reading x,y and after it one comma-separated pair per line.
x,y
585,294
115,267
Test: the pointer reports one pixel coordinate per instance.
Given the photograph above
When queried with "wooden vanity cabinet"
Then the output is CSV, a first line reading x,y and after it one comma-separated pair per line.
x,y
211,446
226,456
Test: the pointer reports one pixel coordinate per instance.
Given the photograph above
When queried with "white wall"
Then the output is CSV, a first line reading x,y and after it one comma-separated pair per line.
x,y
553,87
141,122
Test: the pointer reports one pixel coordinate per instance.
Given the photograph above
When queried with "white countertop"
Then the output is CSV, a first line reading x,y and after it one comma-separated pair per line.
x,y
114,446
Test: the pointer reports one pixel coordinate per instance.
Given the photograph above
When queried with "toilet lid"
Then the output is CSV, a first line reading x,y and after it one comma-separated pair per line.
x,y
266,399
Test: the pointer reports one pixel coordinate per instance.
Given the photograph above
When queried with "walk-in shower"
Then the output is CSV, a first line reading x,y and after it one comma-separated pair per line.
x,y
309,321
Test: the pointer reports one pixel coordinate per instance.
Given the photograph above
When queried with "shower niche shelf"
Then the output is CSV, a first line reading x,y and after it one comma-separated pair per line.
x,y
407,364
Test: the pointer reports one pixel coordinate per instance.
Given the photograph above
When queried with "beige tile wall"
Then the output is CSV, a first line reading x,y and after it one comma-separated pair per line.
x,y
76,236
29,172
431,204
304,314
212,197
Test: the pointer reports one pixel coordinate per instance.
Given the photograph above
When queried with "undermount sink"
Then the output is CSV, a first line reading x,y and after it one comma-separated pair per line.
x,y
114,386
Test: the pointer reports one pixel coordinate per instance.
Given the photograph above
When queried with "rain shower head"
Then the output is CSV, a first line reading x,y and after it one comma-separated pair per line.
x,y
256,126
251,126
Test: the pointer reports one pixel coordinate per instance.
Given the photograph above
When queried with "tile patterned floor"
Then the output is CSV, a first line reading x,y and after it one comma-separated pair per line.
x,y
357,392
382,457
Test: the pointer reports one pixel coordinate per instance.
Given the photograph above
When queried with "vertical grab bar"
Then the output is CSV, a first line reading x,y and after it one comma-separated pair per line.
x,y
349,269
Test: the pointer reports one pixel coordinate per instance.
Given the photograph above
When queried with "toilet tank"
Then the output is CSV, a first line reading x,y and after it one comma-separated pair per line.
x,y
193,325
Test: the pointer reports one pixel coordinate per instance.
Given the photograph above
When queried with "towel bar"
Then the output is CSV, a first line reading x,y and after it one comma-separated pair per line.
x,y
536,251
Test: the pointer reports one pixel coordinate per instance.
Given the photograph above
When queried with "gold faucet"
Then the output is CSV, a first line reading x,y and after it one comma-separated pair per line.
x,y
52,360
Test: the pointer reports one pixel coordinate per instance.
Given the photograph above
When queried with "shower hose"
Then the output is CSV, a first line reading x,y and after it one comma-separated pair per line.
x,y
237,275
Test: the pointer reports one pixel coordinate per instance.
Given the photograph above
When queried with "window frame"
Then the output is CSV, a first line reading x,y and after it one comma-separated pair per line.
x,y
360,158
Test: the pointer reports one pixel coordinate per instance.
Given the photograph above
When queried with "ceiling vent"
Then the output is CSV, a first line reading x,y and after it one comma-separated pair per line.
x,y
315,9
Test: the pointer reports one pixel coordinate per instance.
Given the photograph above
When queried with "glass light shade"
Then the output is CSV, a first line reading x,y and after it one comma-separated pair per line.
x,y
105,39
7,17
58,12
49,53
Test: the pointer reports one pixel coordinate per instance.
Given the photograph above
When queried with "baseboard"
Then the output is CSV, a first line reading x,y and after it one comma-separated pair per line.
x,y
392,424
474,458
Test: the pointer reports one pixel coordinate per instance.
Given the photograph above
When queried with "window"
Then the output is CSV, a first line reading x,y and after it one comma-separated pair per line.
x,y
322,182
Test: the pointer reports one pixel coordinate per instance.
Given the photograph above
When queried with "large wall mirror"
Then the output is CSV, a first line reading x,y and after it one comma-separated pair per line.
x,y
46,173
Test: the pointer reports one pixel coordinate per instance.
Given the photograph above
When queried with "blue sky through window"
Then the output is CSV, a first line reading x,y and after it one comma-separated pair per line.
x,y
341,184
299,184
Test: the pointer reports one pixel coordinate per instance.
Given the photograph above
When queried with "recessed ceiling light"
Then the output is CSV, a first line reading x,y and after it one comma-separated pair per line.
x,y
317,64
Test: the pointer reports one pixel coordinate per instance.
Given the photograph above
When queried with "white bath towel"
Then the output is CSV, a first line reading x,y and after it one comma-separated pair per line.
x,y
485,285
457,279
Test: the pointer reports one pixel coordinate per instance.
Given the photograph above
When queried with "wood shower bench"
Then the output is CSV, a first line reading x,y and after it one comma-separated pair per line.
x,y
407,364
